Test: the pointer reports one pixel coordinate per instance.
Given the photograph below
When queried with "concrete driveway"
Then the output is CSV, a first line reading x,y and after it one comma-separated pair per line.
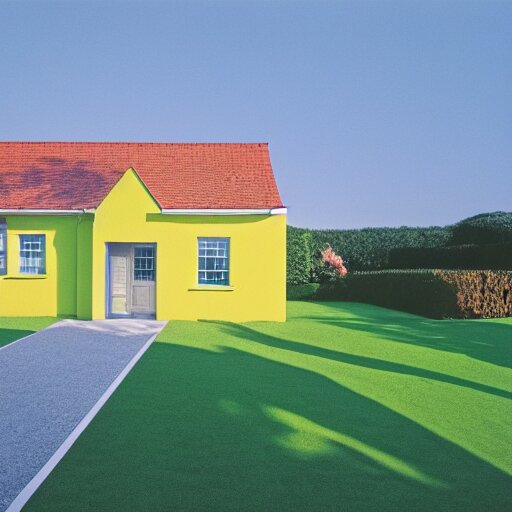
x,y
50,381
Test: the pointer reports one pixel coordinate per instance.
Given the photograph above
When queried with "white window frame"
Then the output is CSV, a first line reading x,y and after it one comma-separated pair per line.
x,y
34,260
221,247
150,263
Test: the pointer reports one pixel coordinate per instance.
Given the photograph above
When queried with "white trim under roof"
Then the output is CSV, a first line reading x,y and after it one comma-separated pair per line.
x,y
26,211
165,211
224,211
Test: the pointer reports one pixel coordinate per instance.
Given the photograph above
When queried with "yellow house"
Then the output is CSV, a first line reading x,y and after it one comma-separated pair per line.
x,y
165,231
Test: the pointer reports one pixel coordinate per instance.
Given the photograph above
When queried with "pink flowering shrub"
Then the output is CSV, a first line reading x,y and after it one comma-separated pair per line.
x,y
335,261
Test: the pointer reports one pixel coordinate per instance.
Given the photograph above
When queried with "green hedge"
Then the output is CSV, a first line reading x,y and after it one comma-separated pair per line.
x,y
298,256
385,248
419,292
368,248
301,291
482,241
490,256
486,228
361,249
431,293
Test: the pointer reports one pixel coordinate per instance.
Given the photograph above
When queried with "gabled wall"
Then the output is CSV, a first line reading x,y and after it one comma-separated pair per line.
x,y
258,259
119,218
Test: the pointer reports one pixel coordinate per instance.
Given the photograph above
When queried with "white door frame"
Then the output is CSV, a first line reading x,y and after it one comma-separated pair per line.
x,y
129,249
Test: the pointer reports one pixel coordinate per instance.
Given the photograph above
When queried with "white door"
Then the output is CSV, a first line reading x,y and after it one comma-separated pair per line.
x,y
120,271
131,280
143,283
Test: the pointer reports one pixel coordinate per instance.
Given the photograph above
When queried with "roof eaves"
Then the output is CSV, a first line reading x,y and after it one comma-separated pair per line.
x,y
45,211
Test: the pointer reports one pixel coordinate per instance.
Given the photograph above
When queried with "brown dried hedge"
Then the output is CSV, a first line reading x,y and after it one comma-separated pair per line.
x,y
481,293
431,293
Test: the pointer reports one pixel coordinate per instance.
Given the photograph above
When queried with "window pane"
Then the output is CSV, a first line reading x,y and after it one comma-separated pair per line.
x,y
32,254
213,261
144,263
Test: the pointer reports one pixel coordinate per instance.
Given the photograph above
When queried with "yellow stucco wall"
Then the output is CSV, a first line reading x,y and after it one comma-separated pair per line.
x,y
257,257
74,283
53,293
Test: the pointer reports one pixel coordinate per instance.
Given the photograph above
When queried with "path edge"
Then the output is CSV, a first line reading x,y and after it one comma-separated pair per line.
x,y
26,493
31,334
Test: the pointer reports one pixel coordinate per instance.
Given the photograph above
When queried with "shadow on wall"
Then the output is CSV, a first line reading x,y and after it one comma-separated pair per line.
x,y
73,247
65,245
201,219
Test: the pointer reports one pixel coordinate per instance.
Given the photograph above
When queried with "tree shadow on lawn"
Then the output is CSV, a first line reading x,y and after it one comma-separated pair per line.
x,y
195,429
9,335
248,333
486,340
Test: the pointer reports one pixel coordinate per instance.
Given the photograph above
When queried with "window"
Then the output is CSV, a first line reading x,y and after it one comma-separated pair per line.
x,y
3,247
32,254
213,261
144,265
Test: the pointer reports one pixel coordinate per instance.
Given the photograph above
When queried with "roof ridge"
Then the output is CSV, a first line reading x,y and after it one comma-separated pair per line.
x,y
136,143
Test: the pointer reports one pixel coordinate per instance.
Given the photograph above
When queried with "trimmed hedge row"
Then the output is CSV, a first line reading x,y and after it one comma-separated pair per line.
x,y
301,291
419,292
431,293
486,228
361,249
468,257
405,247
368,248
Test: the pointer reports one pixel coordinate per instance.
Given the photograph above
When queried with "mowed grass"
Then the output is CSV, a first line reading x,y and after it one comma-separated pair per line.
x,y
12,329
346,407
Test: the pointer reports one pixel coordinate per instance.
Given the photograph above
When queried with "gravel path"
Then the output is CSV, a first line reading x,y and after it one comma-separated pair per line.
x,y
49,382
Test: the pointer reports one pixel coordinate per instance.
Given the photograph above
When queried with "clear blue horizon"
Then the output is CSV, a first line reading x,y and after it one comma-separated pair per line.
x,y
376,113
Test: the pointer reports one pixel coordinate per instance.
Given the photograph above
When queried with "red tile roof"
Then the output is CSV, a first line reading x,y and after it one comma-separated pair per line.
x,y
76,175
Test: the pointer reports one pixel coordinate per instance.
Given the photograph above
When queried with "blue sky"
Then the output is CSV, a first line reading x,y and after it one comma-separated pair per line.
x,y
377,113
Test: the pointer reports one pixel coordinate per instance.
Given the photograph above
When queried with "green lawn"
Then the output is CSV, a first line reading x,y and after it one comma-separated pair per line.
x,y
12,329
346,407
